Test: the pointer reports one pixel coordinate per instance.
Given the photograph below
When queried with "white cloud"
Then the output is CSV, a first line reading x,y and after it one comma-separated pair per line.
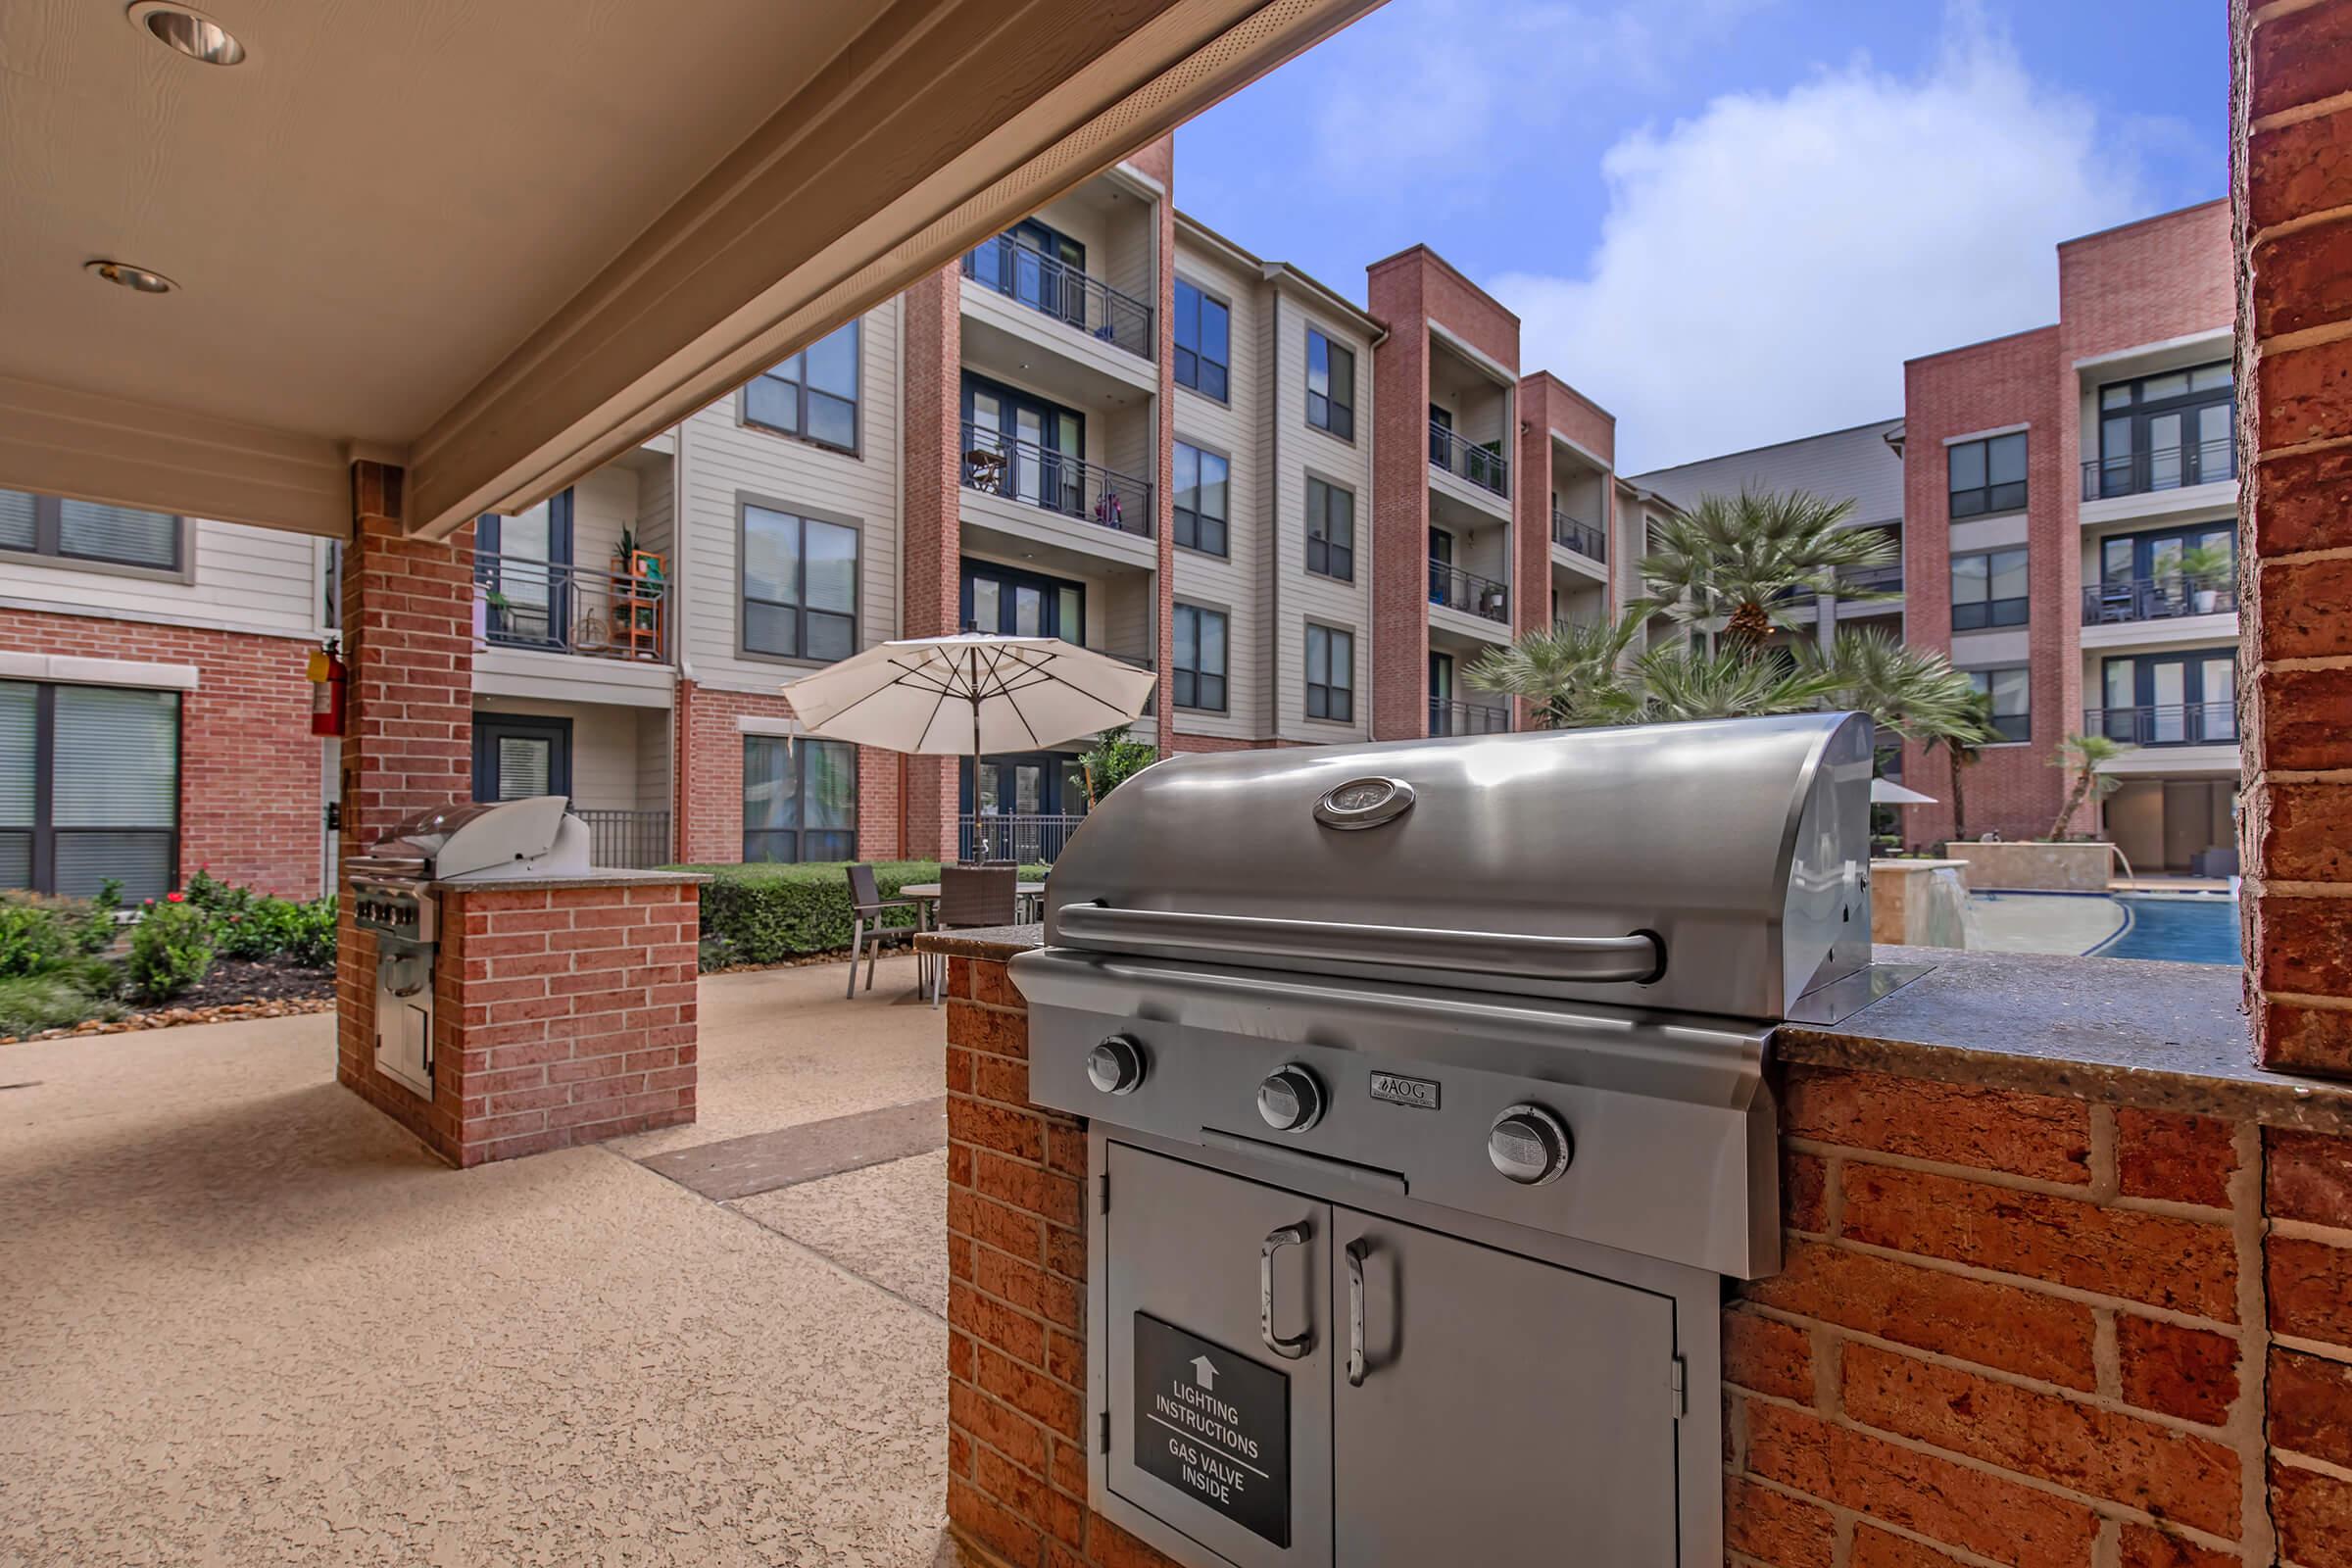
x,y
1765,268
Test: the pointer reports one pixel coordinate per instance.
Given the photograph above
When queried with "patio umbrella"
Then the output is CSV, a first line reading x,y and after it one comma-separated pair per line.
x,y
968,695
1886,792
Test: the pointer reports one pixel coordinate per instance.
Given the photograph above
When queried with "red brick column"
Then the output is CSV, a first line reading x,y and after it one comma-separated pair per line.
x,y
1399,509
931,527
2292,194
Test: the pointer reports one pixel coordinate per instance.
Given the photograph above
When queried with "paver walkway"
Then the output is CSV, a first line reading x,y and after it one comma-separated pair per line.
x,y
245,1320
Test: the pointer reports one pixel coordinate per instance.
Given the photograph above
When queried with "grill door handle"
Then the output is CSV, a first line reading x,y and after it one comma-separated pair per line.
x,y
1637,958
1289,1350
1355,1314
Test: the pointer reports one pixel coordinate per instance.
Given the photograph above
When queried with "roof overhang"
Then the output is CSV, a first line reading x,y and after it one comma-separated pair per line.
x,y
689,191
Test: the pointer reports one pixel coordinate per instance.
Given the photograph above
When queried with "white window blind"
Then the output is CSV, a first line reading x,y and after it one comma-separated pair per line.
x,y
118,533
19,528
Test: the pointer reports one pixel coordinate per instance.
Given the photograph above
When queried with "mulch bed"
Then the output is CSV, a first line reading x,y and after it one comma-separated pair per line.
x,y
234,988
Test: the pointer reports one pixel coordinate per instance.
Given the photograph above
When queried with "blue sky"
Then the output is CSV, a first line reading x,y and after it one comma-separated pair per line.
x,y
1727,221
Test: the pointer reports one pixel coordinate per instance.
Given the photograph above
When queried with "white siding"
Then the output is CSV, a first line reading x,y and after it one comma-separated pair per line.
x,y
1234,583
604,749
244,579
654,772
1302,450
726,460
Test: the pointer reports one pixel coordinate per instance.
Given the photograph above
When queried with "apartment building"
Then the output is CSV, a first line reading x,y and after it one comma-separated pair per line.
x,y
2067,500
1109,423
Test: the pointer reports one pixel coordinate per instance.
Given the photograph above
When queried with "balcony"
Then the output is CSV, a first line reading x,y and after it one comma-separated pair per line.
x,y
2211,723
630,841
1029,840
2174,467
1584,540
1050,287
554,607
1453,588
2109,604
1885,580
1479,465
998,465
1467,718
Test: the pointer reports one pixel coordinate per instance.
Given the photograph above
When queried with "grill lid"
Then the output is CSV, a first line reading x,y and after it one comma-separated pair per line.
x,y
482,840
1715,867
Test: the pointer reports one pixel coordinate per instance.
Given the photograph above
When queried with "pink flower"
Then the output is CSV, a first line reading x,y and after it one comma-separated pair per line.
x,y
175,897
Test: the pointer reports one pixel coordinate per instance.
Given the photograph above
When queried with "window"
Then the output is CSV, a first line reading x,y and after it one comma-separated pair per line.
x,y
800,799
89,789
1200,657
1013,603
2161,432
1330,673
517,757
1330,387
1024,448
84,530
2012,701
1988,590
2184,699
1200,500
1330,530
799,586
1987,475
1204,328
813,395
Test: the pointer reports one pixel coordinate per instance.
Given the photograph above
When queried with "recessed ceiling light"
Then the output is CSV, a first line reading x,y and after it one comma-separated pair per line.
x,y
138,278
191,33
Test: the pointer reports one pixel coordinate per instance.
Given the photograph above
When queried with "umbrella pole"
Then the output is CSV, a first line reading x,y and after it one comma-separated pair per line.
x,y
975,682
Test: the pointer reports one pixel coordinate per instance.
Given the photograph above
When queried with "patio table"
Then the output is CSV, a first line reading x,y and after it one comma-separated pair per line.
x,y
1025,894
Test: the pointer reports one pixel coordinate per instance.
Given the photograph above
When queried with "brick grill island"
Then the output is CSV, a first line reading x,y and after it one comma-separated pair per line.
x,y
2068,1285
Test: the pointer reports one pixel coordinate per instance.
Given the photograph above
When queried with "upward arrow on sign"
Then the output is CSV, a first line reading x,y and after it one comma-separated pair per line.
x,y
1204,1372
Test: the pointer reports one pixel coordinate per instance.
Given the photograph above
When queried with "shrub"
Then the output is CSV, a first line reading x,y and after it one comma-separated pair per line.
x,y
768,913
33,938
30,1003
310,934
170,951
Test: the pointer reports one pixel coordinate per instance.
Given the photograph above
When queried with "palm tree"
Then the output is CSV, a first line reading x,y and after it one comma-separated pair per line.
x,y
1572,674
1912,693
1742,564
1966,748
1679,681
2080,756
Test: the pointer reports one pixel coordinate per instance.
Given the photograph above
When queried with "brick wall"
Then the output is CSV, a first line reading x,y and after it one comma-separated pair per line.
x,y
2163,277
2012,1329
249,766
709,758
2010,380
559,1017
932,531
2292,196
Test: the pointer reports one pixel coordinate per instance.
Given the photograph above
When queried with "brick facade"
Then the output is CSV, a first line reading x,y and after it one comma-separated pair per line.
x,y
2016,380
931,520
559,1017
2292,194
2012,1328
249,766
710,782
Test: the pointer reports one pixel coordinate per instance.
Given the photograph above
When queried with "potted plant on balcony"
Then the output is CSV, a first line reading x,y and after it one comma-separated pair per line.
x,y
2204,569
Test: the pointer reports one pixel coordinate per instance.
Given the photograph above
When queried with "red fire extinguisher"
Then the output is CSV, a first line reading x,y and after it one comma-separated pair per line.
x,y
330,679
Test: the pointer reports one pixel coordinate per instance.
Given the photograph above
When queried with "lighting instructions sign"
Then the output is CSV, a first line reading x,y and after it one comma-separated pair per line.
x,y
1214,1424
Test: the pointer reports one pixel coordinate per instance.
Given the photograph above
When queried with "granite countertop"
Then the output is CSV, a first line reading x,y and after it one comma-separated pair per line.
x,y
599,877
2120,1031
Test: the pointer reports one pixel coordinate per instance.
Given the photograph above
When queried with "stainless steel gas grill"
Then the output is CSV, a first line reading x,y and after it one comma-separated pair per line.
x,y
1428,1107
392,896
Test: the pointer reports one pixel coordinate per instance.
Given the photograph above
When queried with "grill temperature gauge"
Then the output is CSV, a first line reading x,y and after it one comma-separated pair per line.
x,y
1531,1145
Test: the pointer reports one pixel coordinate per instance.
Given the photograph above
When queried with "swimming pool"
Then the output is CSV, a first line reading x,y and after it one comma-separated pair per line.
x,y
2183,928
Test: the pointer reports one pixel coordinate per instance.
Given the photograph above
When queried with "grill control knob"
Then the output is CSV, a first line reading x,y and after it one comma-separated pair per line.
x,y
1116,1067
1531,1145
1291,1100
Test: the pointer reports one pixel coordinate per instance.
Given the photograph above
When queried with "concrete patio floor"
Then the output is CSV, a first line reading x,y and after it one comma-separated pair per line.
x,y
247,1320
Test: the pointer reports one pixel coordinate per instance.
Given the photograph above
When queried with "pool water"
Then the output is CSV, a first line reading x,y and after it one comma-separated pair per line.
x,y
2182,928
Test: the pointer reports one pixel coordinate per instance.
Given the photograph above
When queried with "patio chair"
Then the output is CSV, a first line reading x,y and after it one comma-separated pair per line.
x,y
867,929
973,896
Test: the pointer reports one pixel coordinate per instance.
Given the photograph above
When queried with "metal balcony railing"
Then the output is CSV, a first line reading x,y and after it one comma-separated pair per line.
x,y
1468,592
630,841
1885,580
1001,464
1028,840
2134,474
1058,289
1482,467
559,608
1579,537
2107,604
2210,723
1467,718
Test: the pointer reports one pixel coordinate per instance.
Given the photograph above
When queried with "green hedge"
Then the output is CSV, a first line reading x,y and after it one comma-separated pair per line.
x,y
768,913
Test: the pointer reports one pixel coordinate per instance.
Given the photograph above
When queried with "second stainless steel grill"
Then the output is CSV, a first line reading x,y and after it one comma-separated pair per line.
x,y
1428,1093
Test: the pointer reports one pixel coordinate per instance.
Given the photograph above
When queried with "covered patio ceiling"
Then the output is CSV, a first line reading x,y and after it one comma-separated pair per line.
x,y
499,244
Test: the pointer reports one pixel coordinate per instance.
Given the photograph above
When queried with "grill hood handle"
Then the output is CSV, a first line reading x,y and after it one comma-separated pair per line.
x,y
1637,958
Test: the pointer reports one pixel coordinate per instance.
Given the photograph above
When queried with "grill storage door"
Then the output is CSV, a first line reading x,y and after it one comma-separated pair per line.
x,y
1532,1404
1211,1430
